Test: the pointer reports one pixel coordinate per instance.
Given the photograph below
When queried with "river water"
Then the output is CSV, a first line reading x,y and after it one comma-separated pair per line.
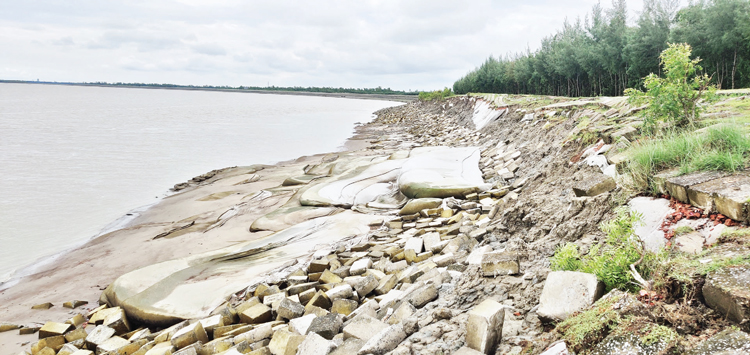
x,y
75,159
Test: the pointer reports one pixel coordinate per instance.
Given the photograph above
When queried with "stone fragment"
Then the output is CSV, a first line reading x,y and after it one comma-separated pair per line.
x,y
364,286
54,342
405,310
76,320
299,288
416,205
67,349
326,326
444,260
188,335
484,326
99,335
328,277
317,311
567,292
396,267
318,265
343,291
360,266
117,321
46,305
363,327
384,340
344,306
726,291
259,333
111,345
423,295
130,348
83,352
29,330
289,309
691,243
76,334
594,185
164,348
98,317
51,329
259,313
315,344
4,327
301,324
74,304
217,346
285,342
500,263
387,283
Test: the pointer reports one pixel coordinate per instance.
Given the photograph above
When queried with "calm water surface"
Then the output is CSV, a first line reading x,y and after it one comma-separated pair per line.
x,y
75,159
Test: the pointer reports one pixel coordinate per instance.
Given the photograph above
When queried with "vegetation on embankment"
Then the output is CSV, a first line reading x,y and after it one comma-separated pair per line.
x,y
602,55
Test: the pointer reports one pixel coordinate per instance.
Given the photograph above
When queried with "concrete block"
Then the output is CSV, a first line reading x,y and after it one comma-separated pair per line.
x,y
259,313
500,263
314,344
326,326
188,335
51,329
363,327
384,340
285,342
484,326
567,292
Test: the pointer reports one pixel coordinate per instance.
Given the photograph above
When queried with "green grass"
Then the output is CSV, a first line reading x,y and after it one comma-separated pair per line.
x,y
436,95
720,148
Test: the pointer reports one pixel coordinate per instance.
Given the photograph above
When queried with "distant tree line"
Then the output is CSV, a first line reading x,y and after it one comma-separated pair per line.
x,y
378,90
602,55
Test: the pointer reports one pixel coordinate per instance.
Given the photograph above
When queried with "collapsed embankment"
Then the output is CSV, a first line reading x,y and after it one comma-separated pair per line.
x,y
436,237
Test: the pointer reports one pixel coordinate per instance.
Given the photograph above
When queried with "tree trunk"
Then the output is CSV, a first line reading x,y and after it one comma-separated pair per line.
x,y
734,66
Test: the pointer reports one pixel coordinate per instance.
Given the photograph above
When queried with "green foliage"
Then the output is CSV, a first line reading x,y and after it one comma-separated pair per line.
x,y
673,99
602,56
724,148
435,95
658,334
610,262
566,258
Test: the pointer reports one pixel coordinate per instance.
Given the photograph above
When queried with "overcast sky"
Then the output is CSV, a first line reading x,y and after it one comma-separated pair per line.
x,y
408,44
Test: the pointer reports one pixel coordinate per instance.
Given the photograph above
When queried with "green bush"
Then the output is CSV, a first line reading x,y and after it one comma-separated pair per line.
x,y
435,95
674,99
610,262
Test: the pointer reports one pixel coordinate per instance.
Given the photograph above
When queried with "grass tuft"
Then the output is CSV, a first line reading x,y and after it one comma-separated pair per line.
x,y
721,148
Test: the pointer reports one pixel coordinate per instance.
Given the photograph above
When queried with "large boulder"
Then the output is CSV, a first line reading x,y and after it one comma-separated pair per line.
x,y
428,172
567,292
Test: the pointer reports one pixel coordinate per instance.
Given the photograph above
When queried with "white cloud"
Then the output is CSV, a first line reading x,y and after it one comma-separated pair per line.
x,y
422,44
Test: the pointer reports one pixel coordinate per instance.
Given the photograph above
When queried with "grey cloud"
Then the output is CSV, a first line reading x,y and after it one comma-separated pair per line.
x,y
209,49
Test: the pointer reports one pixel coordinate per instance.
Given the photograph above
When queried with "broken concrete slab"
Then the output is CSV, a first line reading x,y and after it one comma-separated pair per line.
x,y
567,292
729,341
188,335
259,313
727,195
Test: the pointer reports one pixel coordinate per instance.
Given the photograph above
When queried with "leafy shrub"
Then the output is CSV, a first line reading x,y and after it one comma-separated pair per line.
x,y
610,262
435,95
675,98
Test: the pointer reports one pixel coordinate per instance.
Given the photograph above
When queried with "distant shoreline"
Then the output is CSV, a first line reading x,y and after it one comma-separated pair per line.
x,y
380,97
